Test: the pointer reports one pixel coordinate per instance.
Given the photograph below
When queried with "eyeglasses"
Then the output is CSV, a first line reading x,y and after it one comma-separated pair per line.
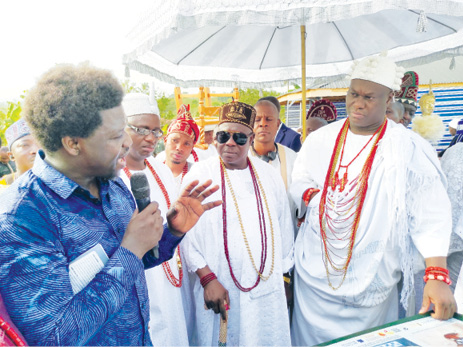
x,y
239,138
145,132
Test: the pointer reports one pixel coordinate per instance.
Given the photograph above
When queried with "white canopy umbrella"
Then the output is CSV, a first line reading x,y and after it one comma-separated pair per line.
x,y
258,43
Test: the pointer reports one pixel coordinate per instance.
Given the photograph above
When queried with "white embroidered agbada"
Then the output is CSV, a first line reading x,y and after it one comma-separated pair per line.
x,y
168,325
258,317
452,165
406,206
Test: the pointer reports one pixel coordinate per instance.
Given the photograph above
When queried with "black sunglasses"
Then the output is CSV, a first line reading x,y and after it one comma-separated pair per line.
x,y
239,138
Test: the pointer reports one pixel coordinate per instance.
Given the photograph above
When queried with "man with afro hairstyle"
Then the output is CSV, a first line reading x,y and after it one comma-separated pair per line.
x,y
72,205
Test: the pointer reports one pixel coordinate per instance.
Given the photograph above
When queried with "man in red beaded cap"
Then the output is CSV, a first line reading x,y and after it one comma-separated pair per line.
x,y
364,185
240,253
180,139
168,326
408,96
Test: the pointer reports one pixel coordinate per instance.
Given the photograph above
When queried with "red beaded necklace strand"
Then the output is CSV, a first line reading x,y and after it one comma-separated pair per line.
x,y
343,182
166,267
195,155
263,228
346,233
11,333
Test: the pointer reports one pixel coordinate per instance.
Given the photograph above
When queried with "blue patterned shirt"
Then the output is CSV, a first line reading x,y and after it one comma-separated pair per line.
x,y
46,221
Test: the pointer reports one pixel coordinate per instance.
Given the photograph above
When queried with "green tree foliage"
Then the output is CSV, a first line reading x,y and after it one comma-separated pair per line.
x,y
8,115
250,97
130,87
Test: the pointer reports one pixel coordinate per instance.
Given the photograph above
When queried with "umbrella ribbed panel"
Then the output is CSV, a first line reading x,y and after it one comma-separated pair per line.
x,y
338,31
345,42
442,24
269,43
165,17
199,46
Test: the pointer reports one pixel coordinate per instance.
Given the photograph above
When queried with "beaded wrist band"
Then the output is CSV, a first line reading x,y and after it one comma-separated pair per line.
x,y
308,194
437,273
207,278
436,269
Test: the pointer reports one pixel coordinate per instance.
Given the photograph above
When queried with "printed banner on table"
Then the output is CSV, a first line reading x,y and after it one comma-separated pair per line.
x,y
419,330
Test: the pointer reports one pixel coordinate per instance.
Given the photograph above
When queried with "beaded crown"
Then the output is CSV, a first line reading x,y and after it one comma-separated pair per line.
x,y
323,109
408,93
380,70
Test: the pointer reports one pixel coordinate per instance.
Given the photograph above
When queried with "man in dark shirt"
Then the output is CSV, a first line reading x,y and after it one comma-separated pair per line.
x,y
7,166
72,205
285,136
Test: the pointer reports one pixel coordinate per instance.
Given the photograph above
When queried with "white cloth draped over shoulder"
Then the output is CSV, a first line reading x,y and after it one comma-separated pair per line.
x,y
168,326
452,164
258,317
285,173
406,208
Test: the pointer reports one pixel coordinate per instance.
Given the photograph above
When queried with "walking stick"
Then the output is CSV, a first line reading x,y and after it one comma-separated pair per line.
x,y
223,328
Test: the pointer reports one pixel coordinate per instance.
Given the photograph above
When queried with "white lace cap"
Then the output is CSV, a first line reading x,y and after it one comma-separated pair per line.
x,y
454,123
139,103
378,69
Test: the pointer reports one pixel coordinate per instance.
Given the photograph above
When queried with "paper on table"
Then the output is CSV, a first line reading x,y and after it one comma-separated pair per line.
x,y
84,268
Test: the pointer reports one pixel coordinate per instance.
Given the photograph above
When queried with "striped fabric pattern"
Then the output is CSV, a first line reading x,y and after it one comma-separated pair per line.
x,y
449,105
46,221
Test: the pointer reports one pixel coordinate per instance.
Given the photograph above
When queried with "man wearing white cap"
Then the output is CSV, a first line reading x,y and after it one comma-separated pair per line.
x,y
23,149
453,126
167,320
368,216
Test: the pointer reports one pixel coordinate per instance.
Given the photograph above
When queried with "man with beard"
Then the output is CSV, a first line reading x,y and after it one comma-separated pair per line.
x,y
71,205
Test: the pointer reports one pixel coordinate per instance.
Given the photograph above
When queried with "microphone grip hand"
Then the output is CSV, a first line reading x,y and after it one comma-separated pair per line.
x,y
144,231
142,203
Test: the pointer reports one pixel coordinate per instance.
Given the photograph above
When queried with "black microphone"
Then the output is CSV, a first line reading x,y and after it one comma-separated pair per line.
x,y
141,192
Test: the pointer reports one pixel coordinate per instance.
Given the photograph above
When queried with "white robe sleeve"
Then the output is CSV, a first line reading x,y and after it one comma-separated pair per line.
x,y
302,178
452,165
429,207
